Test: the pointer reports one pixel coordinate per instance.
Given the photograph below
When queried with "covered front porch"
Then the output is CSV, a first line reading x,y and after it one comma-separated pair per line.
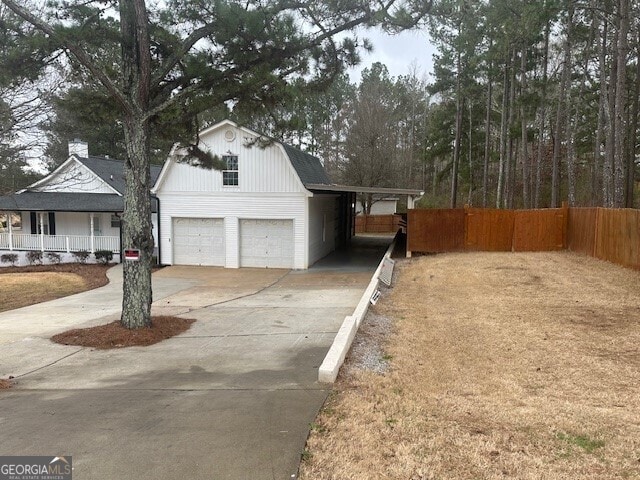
x,y
62,232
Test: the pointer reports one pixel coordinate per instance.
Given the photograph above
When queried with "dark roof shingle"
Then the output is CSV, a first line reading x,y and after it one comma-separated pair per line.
x,y
308,167
112,171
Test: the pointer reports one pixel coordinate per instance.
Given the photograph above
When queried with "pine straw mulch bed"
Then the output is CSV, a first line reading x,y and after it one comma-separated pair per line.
x,y
498,366
23,286
114,335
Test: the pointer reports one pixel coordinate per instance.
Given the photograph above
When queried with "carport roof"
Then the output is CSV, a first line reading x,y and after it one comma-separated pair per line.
x,y
357,189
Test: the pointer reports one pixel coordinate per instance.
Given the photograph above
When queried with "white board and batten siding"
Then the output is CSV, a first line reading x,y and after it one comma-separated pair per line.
x,y
265,219
260,170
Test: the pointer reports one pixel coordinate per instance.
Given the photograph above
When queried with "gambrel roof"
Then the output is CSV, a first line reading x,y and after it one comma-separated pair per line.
x,y
307,167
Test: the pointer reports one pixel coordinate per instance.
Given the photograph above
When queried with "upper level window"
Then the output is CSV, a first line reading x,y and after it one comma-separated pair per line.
x,y
230,175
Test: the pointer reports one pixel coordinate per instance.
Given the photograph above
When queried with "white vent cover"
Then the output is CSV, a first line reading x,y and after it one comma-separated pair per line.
x,y
386,273
229,135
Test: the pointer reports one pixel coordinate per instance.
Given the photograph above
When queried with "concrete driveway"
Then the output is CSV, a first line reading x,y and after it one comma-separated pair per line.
x,y
232,398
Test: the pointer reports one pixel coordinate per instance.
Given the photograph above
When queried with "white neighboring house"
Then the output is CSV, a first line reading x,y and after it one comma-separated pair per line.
x,y
76,207
383,206
259,212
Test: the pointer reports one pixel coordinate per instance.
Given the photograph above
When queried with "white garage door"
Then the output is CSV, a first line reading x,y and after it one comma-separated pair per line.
x,y
266,243
198,241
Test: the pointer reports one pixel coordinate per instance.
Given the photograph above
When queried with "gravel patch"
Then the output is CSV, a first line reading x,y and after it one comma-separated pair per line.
x,y
367,351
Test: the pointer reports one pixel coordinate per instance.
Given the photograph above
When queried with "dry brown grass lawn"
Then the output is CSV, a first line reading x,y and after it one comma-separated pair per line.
x,y
501,365
22,286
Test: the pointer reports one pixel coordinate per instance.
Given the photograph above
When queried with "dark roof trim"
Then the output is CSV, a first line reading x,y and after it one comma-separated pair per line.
x,y
65,202
356,189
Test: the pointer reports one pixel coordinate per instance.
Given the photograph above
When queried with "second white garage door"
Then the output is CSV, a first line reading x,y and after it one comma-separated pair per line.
x,y
266,243
198,241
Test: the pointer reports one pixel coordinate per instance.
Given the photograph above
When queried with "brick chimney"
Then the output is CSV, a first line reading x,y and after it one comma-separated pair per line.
x,y
79,148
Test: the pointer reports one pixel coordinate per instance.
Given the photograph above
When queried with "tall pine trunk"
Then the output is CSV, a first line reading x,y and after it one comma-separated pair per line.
x,y
608,180
503,134
523,126
136,228
543,114
458,133
621,102
599,178
487,139
571,114
561,110
633,133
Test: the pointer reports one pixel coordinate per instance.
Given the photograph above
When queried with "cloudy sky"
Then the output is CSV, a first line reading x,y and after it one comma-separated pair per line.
x,y
399,52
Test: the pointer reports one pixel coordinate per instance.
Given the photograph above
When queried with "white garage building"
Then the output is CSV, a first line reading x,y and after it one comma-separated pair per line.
x,y
256,213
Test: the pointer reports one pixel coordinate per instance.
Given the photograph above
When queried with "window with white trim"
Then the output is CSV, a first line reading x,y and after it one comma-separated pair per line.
x,y
230,175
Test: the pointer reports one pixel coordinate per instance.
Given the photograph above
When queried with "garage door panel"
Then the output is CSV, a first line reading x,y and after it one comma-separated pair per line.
x,y
198,241
266,243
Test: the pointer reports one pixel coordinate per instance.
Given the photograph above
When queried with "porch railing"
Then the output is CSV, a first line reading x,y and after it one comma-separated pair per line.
x,y
58,243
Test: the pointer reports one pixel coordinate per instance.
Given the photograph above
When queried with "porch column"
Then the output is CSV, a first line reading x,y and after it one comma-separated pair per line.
x,y
410,202
92,240
9,222
41,231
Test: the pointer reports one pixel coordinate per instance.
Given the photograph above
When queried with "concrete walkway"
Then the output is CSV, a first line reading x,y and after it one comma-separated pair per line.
x,y
232,398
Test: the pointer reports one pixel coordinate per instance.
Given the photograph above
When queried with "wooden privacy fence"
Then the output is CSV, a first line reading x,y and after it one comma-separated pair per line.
x,y
378,223
608,234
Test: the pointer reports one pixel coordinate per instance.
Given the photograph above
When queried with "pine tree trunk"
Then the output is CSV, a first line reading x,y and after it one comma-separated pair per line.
x,y
610,148
487,139
523,125
136,228
599,179
510,171
621,103
570,109
503,135
543,114
633,134
561,111
458,134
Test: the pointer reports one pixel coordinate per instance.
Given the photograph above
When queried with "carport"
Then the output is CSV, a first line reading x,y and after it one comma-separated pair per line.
x,y
346,205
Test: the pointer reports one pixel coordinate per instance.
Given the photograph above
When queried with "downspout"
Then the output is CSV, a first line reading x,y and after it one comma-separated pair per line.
x,y
158,217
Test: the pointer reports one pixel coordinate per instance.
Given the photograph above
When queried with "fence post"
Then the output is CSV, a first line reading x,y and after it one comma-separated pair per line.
x,y
565,224
66,239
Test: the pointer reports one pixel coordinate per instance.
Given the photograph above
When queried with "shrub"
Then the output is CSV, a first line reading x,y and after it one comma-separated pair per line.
x,y
11,258
54,258
103,256
34,257
81,256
